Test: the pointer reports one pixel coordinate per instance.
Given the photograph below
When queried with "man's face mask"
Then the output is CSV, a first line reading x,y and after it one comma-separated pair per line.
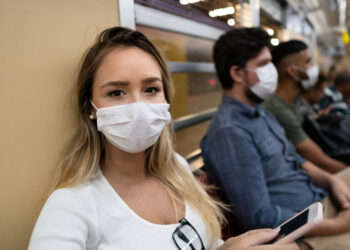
x,y
267,84
311,74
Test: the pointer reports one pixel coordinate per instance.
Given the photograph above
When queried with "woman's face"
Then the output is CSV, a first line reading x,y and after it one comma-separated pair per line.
x,y
127,75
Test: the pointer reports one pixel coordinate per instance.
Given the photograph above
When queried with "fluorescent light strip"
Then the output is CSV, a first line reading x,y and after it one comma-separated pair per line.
x,y
185,2
222,12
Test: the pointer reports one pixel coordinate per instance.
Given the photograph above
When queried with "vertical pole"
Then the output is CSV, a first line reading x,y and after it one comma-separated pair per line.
x,y
255,12
127,13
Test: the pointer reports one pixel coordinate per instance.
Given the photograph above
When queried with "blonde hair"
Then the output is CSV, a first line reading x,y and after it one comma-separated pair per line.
x,y
85,151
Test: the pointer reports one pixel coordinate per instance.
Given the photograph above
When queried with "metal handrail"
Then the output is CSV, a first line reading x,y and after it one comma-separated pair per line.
x,y
193,119
187,67
195,157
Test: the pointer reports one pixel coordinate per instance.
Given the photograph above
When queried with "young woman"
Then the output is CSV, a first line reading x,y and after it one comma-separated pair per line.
x,y
119,183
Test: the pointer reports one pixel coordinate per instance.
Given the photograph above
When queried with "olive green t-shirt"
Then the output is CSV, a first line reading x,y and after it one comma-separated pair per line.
x,y
290,117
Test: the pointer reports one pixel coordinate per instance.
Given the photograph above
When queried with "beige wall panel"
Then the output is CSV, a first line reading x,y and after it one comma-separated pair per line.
x,y
41,43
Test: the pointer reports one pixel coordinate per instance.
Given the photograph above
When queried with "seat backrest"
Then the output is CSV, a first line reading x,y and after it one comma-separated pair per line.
x,y
233,227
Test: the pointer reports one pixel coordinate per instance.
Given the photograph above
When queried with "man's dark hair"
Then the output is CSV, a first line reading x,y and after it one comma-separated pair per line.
x,y
322,77
287,48
342,77
236,47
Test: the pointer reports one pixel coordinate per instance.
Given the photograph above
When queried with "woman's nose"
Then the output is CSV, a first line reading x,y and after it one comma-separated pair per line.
x,y
135,98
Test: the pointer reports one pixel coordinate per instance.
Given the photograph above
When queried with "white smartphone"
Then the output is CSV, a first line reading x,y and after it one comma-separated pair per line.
x,y
299,224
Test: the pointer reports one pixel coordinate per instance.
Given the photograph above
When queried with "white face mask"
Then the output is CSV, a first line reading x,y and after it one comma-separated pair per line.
x,y
133,127
267,84
312,74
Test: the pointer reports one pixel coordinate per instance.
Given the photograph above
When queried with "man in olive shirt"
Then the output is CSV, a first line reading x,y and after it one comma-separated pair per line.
x,y
297,72
290,117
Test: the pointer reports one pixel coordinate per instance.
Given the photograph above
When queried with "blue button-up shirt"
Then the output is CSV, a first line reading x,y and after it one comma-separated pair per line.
x,y
247,155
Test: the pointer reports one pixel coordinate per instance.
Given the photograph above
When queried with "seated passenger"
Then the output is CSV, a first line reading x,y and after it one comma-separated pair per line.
x,y
330,127
337,96
297,72
247,155
120,184
312,96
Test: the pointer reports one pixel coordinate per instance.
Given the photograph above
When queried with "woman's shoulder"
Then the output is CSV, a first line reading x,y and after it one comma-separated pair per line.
x,y
73,213
80,196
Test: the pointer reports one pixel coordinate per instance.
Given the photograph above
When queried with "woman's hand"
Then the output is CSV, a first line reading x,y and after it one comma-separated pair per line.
x,y
254,239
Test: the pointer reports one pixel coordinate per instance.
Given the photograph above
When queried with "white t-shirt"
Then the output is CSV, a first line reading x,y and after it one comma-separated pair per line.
x,y
93,216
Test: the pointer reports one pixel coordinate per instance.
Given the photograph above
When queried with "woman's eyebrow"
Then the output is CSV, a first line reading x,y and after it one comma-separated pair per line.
x,y
151,79
125,83
115,83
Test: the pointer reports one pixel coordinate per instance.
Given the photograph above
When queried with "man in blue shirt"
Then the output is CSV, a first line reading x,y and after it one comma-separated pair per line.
x,y
245,149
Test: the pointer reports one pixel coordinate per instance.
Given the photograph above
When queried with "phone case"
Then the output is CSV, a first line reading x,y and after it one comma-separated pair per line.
x,y
305,228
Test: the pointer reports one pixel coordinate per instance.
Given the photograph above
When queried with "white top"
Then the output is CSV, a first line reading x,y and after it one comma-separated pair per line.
x,y
93,216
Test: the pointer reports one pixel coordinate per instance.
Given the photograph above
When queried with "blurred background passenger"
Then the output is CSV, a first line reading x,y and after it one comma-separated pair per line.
x,y
297,72
311,97
334,70
330,131
337,96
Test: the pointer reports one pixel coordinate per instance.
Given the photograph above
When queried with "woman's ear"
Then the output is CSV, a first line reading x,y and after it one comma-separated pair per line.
x,y
236,73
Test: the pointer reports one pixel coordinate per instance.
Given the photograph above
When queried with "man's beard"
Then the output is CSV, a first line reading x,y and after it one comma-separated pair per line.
x,y
298,79
252,97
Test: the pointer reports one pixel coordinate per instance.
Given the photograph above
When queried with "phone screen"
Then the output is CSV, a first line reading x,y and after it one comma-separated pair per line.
x,y
292,225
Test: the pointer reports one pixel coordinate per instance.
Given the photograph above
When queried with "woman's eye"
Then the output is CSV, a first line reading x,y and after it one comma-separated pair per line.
x,y
152,90
116,93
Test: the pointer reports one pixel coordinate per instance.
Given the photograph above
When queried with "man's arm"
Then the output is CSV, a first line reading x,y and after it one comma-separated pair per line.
x,y
339,190
311,151
234,164
341,194
319,176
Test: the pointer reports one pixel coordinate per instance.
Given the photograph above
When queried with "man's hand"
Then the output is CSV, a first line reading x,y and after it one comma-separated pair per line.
x,y
323,112
340,192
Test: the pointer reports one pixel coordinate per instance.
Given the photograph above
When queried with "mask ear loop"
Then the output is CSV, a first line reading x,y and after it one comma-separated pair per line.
x,y
296,78
92,117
